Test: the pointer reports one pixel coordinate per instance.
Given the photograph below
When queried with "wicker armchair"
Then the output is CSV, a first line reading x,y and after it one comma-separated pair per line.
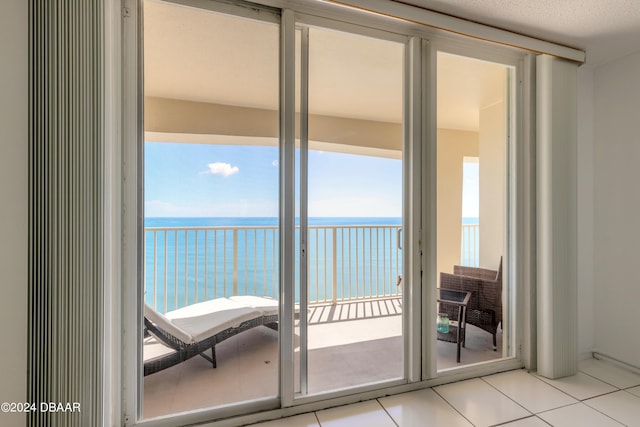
x,y
485,306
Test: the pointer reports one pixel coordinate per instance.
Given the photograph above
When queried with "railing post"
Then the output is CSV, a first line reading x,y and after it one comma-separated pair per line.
x,y
380,257
334,265
469,254
235,261
155,271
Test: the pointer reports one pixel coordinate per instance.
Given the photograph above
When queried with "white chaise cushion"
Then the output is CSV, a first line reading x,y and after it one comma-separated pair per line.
x,y
205,319
166,325
267,306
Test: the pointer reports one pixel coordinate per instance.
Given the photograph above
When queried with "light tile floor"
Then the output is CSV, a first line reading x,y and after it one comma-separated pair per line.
x,y
601,394
350,344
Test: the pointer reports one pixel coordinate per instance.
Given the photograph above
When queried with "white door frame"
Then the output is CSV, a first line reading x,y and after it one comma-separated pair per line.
x,y
419,212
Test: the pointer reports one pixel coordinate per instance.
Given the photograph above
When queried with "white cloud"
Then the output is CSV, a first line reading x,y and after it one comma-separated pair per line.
x,y
275,163
224,169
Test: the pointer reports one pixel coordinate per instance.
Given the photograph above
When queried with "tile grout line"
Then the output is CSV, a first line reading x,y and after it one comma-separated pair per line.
x,y
508,397
574,397
387,412
626,390
606,415
604,381
579,401
544,421
519,419
451,405
544,382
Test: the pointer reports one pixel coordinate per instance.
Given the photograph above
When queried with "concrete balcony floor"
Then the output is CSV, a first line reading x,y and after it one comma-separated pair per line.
x,y
350,344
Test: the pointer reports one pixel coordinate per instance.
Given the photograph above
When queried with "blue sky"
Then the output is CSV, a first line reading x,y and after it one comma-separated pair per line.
x,y
205,180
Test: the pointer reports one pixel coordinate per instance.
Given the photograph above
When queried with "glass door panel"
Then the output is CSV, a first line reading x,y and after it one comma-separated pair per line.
x,y
352,220
211,268
472,176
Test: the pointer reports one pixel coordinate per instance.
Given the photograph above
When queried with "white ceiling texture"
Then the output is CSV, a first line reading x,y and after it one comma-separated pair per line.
x,y
605,29
183,48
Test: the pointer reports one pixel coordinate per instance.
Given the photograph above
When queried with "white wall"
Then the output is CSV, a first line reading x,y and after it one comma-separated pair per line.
x,y
586,290
453,146
617,208
13,193
493,184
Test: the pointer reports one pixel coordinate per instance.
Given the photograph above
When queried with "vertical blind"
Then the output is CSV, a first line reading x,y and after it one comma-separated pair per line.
x,y
557,287
65,212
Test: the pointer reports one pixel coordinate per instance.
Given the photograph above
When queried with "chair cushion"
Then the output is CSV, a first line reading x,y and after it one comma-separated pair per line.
x,y
166,325
205,319
267,306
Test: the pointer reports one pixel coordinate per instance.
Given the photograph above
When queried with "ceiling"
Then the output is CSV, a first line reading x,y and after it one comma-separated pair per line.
x,y
202,56
605,29
196,55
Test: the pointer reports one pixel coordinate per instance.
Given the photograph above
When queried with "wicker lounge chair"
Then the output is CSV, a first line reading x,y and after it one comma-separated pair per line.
x,y
196,328
485,305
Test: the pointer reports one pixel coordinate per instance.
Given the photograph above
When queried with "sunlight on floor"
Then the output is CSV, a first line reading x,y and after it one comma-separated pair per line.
x,y
342,353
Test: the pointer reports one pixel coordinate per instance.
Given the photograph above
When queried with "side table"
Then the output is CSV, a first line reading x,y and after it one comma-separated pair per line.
x,y
456,333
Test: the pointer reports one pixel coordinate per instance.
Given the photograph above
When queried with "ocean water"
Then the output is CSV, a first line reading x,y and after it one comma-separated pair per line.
x,y
188,260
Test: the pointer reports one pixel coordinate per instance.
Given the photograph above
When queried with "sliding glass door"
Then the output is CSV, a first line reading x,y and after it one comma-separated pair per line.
x,y
214,228
211,237
329,209
350,323
474,177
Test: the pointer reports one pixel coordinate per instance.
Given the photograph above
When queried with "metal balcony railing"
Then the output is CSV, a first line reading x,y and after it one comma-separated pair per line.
x,y
470,245
185,265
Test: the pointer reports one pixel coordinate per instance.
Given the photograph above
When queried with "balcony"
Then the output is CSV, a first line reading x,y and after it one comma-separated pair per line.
x,y
354,318
185,265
